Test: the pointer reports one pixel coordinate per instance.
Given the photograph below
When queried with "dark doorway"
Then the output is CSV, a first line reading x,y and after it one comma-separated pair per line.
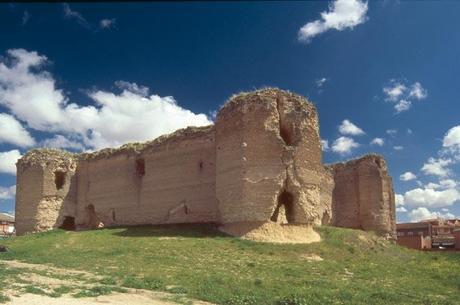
x,y
68,223
285,204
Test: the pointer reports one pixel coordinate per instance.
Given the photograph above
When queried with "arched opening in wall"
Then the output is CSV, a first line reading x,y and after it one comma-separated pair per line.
x,y
140,167
284,211
68,223
59,179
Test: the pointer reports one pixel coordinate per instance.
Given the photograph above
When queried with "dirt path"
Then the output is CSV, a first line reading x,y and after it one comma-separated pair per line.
x,y
49,279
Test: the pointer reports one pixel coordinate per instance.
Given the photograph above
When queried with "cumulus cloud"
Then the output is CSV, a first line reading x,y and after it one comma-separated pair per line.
x,y
344,145
114,119
61,142
403,95
451,142
348,128
437,167
403,105
443,184
401,209
452,137
398,147
378,141
107,23
342,14
132,87
431,198
8,161
394,91
11,131
407,176
424,214
417,91
324,145
7,192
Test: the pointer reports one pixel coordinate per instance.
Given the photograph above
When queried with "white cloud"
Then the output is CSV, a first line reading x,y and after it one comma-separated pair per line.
x,y
348,128
394,91
407,176
7,192
398,147
8,161
401,209
409,131
431,198
443,184
324,145
132,87
402,105
452,137
399,199
437,167
344,145
403,95
342,14
451,143
59,141
417,91
11,131
74,15
424,214
320,82
378,141
114,119
107,23
392,132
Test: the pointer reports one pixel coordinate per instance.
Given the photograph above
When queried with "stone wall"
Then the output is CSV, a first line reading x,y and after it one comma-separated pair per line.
x,y
167,181
45,191
363,196
256,172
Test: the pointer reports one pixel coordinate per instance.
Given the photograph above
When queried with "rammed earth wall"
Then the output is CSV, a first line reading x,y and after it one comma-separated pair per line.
x,y
259,165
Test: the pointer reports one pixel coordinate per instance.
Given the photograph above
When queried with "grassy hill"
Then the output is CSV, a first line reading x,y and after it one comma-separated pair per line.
x,y
346,267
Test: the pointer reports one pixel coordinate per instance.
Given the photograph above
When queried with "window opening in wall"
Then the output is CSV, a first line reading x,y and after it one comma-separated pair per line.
x,y
140,167
59,179
68,223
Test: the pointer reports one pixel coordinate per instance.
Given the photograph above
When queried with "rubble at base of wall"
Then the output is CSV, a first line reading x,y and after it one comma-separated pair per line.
x,y
272,232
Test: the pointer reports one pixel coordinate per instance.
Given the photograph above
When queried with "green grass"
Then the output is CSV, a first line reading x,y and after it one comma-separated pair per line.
x,y
357,267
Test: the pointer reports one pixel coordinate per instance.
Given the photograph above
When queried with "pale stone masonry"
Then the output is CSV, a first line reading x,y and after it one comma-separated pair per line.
x,y
257,171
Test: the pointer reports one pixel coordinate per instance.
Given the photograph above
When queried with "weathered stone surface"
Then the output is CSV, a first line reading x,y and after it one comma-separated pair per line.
x,y
257,170
363,196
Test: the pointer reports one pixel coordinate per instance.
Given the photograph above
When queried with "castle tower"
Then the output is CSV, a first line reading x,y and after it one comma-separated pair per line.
x,y
45,195
268,161
363,197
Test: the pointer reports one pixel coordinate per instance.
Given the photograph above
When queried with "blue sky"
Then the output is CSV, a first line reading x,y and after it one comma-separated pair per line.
x,y
383,75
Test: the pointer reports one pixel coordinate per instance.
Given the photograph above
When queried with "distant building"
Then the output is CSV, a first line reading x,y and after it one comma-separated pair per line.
x,y
431,233
6,224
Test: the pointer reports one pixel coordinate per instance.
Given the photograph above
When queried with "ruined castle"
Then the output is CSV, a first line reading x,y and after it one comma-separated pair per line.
x,y
257,173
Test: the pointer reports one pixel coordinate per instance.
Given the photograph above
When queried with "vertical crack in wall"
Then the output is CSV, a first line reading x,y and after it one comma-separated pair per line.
x,y
286,201
285,128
